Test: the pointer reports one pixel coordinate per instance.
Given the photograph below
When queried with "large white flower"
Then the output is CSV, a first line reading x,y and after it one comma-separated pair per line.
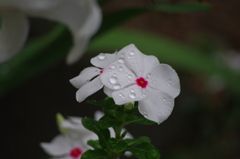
x,y
82,17
142,78
88,81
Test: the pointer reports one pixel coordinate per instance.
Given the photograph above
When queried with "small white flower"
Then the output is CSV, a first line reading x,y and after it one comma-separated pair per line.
x,y
82,17
82,81
73,143
142,78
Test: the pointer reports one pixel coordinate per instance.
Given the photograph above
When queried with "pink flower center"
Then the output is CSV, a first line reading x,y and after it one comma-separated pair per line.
x,y
141,82
76,152
101,71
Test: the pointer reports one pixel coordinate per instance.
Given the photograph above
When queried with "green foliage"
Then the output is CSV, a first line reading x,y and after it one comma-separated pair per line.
x,y
116,145
137,141
92,125
144,151
95,154
139,120
94,143
108,121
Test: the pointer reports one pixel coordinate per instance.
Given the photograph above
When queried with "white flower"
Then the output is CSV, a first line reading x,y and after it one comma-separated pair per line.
x,y
142,78
82,17
73,143
82,81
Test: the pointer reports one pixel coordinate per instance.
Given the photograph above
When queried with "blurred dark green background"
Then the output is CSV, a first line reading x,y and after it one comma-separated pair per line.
x,y
205,122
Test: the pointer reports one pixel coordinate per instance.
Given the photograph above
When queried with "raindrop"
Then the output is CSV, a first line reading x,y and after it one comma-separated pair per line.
x,y
148,75
131,90
120,68
101,57
113,67
145,115
114,75
132,95
129,76
169,84
143,95
113,80
154,82
117,86
164,99
121,61
140,72
132,52
129,57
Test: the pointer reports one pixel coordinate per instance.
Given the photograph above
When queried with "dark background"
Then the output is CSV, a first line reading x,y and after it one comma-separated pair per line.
x,y
204,123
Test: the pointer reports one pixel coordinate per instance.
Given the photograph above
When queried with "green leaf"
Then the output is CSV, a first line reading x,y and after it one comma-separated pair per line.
x,y
140,120
108,121
180,56
94,143
109,104
94,102
145,151
137,141
92,125
116,146
95,154
183,7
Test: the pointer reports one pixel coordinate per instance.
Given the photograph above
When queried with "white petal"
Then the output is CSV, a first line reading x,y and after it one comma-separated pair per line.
x,y
98,114
165,79
76,120
13,34
29,4
157,106
88,89
136,61
102,60
83,18
85,76
116,76
58,146
129,94
108,91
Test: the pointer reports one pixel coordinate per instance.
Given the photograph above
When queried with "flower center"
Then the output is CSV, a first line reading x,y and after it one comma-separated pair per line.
x,y
76,152
141,82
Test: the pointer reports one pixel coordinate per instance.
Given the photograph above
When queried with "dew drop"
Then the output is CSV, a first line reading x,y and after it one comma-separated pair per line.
x,y
132,52
120,68
113,67
131,90
143,95
148,75
140,72
132,95
164,99
154,82
113,80
101,57
114,75
121,61
169,84
129,76
145,115
117,86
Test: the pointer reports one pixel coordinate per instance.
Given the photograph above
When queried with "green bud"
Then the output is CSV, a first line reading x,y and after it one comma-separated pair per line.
x,y
60,119
129,106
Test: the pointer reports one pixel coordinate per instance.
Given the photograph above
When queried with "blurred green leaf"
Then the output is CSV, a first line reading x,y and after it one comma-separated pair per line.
x,y
108,121
95,154
179,56
92,125
116,146
137,141
145,151
94,143
140,120
183,7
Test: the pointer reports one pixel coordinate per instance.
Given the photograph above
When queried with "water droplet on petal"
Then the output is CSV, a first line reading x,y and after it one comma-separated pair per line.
x,y
117,86
120,68
145,115
148,75
129,76
113,80
144,112
121,61
101,57
132,90
113,67
132,95
154,82
164,99
132,52
169,84
114,75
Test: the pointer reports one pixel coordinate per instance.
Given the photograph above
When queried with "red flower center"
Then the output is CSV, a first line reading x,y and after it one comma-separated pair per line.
x,y
76,152
141,82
